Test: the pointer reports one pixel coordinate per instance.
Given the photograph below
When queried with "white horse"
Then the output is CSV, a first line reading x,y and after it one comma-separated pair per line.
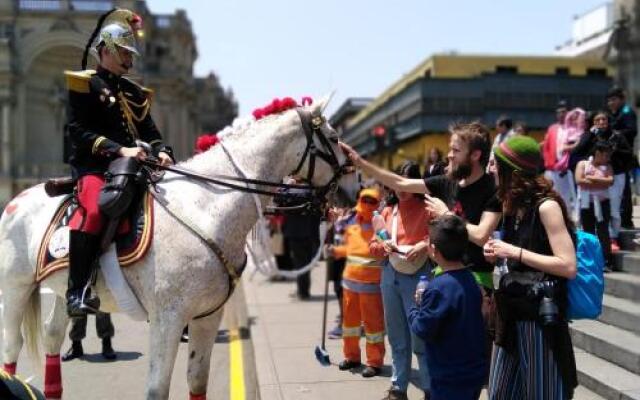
x,y
180,277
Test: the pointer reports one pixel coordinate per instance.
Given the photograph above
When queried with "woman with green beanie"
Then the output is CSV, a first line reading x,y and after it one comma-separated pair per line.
x,y
533,356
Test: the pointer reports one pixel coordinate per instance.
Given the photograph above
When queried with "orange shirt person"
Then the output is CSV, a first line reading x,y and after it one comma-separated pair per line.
x,y
362,301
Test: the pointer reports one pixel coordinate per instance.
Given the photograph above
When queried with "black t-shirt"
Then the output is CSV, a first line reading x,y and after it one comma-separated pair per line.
x,y
469,203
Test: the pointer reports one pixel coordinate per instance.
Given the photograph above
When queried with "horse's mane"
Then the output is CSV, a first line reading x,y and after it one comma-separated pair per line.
x,y
241,125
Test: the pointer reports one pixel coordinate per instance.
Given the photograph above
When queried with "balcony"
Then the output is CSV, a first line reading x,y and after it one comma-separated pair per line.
x,y
65,5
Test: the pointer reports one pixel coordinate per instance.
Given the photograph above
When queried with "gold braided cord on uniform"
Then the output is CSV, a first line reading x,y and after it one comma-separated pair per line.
x,y
97,143
145,105
143,110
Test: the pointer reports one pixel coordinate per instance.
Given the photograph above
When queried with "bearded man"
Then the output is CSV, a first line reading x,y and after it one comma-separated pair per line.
x,y
466,190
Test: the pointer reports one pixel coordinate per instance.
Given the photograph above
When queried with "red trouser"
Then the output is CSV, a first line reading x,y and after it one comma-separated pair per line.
x,y
87,217
358,308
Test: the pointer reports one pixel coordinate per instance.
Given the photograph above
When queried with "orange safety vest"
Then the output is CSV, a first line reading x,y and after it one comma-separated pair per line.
x,y
361,266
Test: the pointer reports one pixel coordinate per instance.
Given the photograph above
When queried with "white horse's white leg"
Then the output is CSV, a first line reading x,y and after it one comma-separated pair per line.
x,y
165,331
54,331
55,327
15,302
202,335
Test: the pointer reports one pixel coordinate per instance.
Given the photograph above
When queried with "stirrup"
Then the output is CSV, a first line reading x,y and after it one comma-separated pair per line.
x,y
89,302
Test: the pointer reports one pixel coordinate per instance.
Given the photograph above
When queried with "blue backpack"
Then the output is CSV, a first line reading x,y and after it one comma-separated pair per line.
x,y
586,290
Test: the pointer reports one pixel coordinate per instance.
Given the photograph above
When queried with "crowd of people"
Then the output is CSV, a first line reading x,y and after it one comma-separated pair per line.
x,y
595,189
508,201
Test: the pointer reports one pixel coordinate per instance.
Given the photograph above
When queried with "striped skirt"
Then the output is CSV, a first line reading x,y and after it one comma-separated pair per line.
x,y
531,373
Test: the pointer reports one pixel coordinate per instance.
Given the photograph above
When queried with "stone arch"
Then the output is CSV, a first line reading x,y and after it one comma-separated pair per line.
x,y
37,43
44,106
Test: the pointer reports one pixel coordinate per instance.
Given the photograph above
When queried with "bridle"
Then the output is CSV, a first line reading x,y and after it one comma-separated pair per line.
x,y
312,197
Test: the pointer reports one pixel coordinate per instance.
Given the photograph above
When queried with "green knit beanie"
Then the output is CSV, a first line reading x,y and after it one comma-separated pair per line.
x,y
521,153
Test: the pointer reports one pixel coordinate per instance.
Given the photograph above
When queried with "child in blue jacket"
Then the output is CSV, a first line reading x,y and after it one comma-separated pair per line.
x,y
448,317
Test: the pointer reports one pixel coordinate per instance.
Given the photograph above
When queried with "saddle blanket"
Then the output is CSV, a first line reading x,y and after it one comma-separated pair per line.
x,y
131,246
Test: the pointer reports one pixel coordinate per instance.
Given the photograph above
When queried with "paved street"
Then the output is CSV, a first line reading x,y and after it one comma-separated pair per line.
x,y
124,379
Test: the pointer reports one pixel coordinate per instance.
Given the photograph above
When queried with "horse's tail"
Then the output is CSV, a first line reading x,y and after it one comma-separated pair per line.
x,y
32,326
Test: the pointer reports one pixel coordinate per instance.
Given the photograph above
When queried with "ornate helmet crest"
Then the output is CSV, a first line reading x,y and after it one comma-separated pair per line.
x,y
116,35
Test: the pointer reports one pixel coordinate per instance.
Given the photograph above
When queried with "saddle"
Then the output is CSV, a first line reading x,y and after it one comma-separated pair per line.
x,y
128,208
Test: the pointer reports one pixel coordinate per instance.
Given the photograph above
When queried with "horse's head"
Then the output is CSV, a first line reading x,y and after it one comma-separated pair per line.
x,y
322,164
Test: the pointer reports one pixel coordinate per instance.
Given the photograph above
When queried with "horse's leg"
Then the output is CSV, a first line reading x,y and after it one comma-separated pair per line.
x,y
54,332
202,335
15,301
165,331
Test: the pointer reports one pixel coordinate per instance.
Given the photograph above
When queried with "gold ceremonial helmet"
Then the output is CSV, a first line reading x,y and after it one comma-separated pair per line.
x,y
113,36
120,28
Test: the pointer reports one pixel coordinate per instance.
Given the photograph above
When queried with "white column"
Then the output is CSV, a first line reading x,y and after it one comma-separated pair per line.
x,y
6,139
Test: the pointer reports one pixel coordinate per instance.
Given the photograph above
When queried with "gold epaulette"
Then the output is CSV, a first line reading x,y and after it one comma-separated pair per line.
x,y
79,81
148,93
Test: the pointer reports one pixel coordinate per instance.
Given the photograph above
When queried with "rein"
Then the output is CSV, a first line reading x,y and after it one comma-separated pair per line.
x,y
311,128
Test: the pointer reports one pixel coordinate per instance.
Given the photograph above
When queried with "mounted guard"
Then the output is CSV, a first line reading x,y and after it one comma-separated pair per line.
x,y
107,113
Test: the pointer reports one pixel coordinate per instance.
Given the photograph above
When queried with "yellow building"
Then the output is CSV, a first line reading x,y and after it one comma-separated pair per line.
x,y
415,111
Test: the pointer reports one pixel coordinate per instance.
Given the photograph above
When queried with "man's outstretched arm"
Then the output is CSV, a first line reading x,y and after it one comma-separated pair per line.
x,y
387,178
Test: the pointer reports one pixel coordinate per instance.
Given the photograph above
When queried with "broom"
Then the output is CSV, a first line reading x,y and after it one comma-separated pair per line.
x,y
321,352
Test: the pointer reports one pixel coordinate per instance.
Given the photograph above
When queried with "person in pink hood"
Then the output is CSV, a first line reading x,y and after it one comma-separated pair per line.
x,y
567,138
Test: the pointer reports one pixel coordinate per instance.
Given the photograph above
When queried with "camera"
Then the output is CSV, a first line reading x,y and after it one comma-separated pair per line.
x,y
548,311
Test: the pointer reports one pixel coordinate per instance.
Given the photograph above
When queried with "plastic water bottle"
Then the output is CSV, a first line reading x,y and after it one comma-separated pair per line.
x,y
501,268
421,288
379,226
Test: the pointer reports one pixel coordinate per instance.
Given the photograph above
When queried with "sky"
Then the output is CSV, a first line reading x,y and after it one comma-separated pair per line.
x,y
278,48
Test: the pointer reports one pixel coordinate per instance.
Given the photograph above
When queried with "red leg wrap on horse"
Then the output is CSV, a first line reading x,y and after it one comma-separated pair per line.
x,y
10,368
202,396
53,377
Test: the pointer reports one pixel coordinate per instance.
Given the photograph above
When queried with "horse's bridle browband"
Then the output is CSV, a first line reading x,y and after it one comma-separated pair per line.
x,y
312,126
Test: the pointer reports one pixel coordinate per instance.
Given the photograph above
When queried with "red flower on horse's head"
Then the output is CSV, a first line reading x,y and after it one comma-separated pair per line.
x,y
206,141
277,106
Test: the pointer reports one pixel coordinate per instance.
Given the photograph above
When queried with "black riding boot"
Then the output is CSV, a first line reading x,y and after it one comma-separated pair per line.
x,y
75,351
107,350
83,251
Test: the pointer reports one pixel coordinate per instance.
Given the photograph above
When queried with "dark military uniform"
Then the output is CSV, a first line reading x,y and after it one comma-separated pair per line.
x,y
107,112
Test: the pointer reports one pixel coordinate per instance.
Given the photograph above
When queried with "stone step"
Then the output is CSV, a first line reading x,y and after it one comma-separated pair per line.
x,y
625,239
582,393
605,379
622,313
623,285
628,261
608,342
